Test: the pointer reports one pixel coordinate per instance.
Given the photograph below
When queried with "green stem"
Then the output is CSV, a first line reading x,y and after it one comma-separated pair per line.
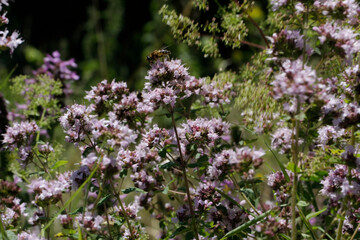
x,y
2,230
356,230
244,196
295,156
339,230
107,221
40,122
71,199
341,223
123,210
183,166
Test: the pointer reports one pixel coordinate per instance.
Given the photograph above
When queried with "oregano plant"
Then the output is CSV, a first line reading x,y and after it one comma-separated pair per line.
x,y
266,151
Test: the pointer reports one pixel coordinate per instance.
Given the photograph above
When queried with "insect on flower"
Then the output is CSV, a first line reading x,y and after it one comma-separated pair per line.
x,y
157,54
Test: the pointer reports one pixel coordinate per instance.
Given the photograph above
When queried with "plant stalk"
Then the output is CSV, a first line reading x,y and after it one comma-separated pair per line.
x,y
183,166
341,223
123,210
295,159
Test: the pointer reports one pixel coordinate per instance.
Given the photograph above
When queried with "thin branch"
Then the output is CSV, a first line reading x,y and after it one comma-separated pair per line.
x,y
183,166
255,24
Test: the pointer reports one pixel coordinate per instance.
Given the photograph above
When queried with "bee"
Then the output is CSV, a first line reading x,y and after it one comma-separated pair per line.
x,y
157,54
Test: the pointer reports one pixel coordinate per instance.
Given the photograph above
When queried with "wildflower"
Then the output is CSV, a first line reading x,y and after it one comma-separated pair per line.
x,y
89,222
115,133
338,184
214,96
11,42
296,80
167,74
282,139
203,132
276,4
47,192
328,133
56,68
291,38
105,93
77,123
240,160
345,38
29,236
20,134
157,137
347,10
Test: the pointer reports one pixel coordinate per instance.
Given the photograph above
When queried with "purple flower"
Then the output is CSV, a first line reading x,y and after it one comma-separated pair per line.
x,y
77,122
276,4
214,96
336,184
11,42
160,96
349,9
89,222
105,93
292,38
56,68
167,74
49,192
296,80
242,160
282,140
345,38
20,134
328,133
203,132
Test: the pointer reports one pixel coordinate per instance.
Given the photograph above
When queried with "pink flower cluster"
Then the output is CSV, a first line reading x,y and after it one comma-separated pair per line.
x,y
170,81
345,38
348,9
50,192
295,80
241,160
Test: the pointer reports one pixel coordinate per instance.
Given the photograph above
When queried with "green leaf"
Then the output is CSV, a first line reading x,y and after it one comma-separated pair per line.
x,y
6,80
314,214
2,230
168,165
59,164
317,50
123,173
67,203
162,152
246,225
166,189
228,197
302,204
282,167
132,189
189,236
180,230
285,236
10,235
79,232
202,161
87,151
76,211
291,167
247,191
323,231
102,200
300,117
307,224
